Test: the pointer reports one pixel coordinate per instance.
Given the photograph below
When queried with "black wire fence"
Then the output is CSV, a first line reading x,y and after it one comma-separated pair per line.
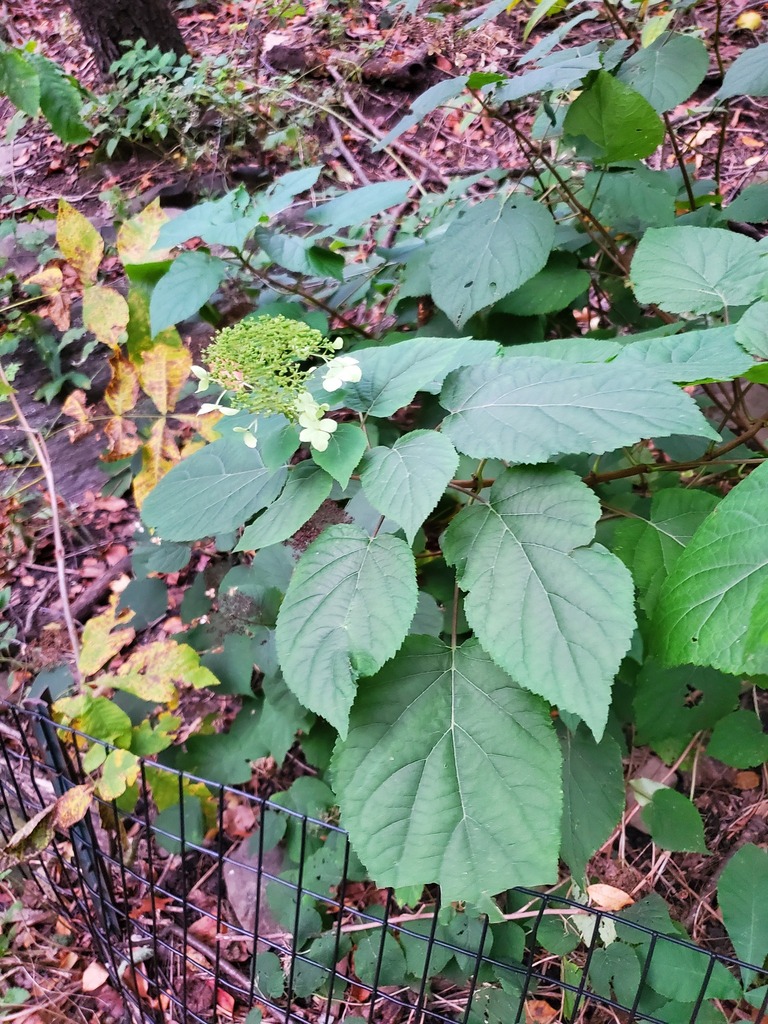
x,y
308,944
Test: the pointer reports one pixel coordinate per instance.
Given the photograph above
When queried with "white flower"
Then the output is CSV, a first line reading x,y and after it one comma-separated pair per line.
x,y
249,434
225,410
204,378
317,432
341,370
305,405
337,343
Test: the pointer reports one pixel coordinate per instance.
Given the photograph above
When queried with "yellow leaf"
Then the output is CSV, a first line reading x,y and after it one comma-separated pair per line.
x,y
158,455
608,897
119,772
139,333
749,20
123,388
75,406
73,806
154,673
137,236
163,372
94,976
99,643
123,439
33,836
81,244
49,280
204,425
105,314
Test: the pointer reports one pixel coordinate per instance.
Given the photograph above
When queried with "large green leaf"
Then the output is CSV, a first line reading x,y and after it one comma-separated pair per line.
x,y
213,491
629,202
450,774
560,71
719,587
712,354
361,204
307,488
752,330
487,252
225,221
738,740
742,894
19,82
347,609
552,289
345,449
192,279
697,270
674,822
556,614
593,795
651,547
668,71
61,102
405,482
751,205
393,374
529,409
748,75
617,119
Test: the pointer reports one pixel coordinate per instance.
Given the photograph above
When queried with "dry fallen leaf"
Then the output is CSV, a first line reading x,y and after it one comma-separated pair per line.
x,y
749,20
608,897
94,976
537,1011
746,780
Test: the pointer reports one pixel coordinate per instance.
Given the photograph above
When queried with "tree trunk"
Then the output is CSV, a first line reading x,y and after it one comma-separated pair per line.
x,y
106,23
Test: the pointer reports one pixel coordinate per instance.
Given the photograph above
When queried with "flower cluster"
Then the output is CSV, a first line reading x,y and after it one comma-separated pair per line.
x,y
261,364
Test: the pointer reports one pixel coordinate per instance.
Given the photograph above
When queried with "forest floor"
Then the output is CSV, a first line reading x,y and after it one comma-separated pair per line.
x,y
365,62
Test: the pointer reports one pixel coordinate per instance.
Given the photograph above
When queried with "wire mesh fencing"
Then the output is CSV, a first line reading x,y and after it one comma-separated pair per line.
x,y
282,924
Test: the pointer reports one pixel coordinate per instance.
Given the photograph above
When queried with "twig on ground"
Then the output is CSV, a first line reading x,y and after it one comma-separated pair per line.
x,y
348,155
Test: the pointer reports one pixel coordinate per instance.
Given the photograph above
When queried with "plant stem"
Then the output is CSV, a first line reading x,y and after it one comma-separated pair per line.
x,y
680,162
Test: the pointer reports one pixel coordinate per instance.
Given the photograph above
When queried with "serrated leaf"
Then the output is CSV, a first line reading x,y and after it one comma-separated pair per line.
x,y
424,104
530,409
651,547
697,270
593,795
628,202
748,75
718,586
738,740
213,491
61,102
393,374
227,221
119,771
138,236
347,609
751,205
434,779
554,613
674,822
154,672
19,82
742,895
81,244
105,314
711,354
406,481
616,118
668,71
99,644
123,389
345,449
159,454
560,282
509,237
163,372
752,330
360,204
307,488
179,294
564,70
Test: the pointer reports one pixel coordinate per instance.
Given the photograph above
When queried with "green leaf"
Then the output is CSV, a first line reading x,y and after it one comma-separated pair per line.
x,y
345,449
360,204
560,282
697,270
406,481
424,104
61,102
393,374
509,238
650,548
711,354
615,969
437,777
167,826
748,75
678,973
616,118
742,894
674,822
213,491
268,979
345,613
19,82
563,70
752,330
593,795
628,202
307,488
374,960
554,613
693,698
751,205
530,409
227,221
179,294
668,71
718,586
739,741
